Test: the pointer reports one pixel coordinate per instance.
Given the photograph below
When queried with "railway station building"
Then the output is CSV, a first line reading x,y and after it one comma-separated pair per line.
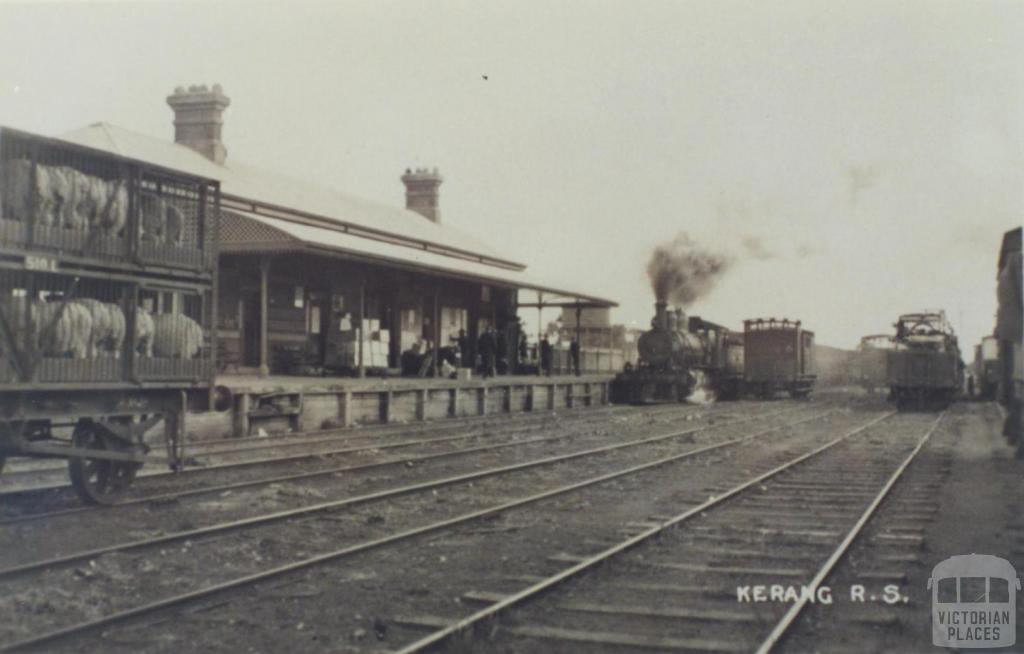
x,y
316,283
311,279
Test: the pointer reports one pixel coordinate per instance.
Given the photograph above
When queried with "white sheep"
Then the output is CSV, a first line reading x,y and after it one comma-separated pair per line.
x,y
161,221
176,336
116,205
16,181
152,218
62,194
23,200
108,327
174,224
144,330
89,198
68,334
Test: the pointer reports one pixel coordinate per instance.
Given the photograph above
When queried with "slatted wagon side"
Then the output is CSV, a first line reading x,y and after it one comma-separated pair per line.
x,y
778,356
107,282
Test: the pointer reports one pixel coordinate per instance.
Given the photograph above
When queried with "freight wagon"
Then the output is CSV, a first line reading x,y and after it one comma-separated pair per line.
x,y
778,357
107,276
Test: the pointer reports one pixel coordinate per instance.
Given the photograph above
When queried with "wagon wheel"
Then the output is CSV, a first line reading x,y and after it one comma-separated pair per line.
x,y
99,481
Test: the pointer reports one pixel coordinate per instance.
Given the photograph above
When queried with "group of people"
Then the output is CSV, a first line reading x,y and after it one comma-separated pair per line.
x,y
495,355
547,353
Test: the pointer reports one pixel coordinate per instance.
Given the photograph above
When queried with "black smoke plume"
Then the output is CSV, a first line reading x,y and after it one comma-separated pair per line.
x,y
682,271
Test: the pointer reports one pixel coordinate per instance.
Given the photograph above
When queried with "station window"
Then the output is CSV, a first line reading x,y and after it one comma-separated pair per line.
x,y
412,327
452,320
314,319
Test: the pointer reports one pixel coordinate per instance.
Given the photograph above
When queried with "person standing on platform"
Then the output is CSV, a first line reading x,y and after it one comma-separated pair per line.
x,y
545,357
463,344
501,351
574,354
487,346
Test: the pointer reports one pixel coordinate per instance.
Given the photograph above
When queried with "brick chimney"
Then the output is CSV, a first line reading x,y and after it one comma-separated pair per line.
x,y
197,119
421,192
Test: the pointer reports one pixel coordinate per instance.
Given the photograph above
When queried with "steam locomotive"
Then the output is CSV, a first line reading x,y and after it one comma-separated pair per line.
x,y
678,356
684,358
924,367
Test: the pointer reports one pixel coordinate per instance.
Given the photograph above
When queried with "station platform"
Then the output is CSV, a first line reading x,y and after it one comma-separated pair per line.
x,y
281,403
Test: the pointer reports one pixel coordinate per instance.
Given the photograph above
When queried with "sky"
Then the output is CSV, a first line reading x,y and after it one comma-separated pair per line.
x,y
853,160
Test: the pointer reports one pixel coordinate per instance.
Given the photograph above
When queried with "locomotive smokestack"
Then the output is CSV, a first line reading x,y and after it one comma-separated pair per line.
x,y
661,316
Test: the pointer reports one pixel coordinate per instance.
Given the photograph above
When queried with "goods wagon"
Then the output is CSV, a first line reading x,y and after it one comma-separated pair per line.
x,y
107,275
778,356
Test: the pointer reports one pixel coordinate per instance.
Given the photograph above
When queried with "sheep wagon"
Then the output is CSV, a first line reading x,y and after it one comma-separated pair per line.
x,y
107,276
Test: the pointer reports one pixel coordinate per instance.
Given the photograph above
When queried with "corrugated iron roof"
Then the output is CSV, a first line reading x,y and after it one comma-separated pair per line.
x,y
243,232
252,185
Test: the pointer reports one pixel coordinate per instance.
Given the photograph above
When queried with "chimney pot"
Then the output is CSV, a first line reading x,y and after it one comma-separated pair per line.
x,y
197,119
421,192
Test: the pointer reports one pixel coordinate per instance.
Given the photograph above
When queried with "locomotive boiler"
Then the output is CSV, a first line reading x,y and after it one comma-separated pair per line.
x,y
679,355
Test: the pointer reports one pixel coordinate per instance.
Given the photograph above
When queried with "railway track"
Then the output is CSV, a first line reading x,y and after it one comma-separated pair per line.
x,y
788,527
15,483
641,451
240,445
306,510
35,510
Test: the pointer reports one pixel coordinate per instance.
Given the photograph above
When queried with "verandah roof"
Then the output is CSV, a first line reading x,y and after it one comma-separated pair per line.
x,y
247,232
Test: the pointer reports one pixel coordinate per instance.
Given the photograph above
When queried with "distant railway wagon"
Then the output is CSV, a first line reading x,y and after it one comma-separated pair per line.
x,y
107,275
924,368
778,356
871,361
1009,333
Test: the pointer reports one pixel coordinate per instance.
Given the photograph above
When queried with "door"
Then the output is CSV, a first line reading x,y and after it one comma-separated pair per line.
x,y
319,325
807,366
251,328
